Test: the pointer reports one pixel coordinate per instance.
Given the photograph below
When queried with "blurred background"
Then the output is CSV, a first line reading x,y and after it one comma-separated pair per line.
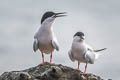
x,y
98,19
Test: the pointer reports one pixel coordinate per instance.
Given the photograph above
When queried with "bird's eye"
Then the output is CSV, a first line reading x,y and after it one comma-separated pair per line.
x,y
54,16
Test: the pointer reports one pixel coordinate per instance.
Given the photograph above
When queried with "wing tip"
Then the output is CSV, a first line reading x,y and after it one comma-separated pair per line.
x,y
35,45
57,49
71,56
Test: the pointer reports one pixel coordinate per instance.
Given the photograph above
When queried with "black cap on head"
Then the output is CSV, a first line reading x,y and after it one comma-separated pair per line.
x,y
46,15
51,13
79,34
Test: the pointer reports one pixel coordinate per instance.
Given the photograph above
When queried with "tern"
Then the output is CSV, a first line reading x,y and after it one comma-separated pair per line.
x,y
45,39
82,52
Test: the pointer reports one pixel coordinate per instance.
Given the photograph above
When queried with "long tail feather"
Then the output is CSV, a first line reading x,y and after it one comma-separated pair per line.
x,y
100,50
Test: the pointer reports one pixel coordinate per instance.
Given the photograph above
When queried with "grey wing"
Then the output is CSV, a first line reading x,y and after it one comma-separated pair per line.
x,y
35,45
90,57
71,56
55,44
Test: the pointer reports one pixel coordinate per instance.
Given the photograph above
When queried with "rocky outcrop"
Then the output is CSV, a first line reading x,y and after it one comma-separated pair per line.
x,y
48,72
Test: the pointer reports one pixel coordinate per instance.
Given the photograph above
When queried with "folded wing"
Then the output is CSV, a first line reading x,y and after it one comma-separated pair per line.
x,y
71,56
55,44
35,45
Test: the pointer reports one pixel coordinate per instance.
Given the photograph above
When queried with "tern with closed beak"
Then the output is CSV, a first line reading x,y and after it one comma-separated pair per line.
x,y
82,52
45,39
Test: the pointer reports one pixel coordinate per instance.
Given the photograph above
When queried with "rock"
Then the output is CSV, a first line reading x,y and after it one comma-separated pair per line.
x,y
48,72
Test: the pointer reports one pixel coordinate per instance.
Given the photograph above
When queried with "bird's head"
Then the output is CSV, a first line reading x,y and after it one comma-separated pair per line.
x,y
79,35
50,16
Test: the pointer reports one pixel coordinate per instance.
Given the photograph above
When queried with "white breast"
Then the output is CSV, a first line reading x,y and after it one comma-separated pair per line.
x,y
45,36
78,51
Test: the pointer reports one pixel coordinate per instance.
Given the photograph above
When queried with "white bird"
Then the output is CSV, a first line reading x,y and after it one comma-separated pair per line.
x,y
44,39
82,52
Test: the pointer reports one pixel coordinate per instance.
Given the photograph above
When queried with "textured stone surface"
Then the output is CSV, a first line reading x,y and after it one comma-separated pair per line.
x,y
48,72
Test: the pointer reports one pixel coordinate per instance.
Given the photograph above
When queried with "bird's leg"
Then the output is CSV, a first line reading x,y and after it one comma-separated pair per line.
x,y
78,65
51,58
85,68
78,68
42,58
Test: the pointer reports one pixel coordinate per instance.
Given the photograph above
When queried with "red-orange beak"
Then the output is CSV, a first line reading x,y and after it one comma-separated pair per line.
x,y
60,14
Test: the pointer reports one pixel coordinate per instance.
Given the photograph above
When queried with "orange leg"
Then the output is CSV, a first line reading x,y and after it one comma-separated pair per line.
x,y
51,59
85,68
78,65
42,58
78,68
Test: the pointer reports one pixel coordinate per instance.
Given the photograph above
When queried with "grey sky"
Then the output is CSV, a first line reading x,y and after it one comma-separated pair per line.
x,y
19,19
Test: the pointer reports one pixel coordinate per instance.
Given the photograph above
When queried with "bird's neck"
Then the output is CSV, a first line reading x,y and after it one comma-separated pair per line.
x,y
47,24
77,39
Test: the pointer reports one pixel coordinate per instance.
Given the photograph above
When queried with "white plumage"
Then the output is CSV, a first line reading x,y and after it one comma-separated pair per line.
x,y
45,39
82,52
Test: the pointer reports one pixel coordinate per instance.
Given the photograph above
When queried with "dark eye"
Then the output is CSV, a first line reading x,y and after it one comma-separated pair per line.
x,y
54,16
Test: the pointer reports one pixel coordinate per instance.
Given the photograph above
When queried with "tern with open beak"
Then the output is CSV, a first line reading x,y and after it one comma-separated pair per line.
x,y
82,52
45,39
